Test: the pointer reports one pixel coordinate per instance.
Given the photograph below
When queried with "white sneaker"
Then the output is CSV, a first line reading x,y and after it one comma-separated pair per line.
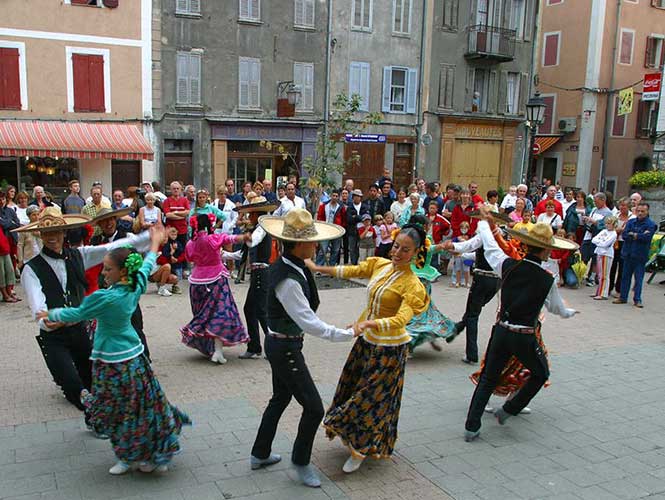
x,y
164,292
352,464
526,411
119,468
489,409
218,357
149,467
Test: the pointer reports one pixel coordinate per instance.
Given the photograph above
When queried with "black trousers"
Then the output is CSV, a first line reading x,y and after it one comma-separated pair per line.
x,y
504,344
483,289
354,250
67,356
345,247
290,378
616,270
255,308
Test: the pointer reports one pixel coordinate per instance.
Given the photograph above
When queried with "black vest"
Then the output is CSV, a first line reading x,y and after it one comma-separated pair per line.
x,y
100,239
51,287
278,319
524,288
481,261
260,254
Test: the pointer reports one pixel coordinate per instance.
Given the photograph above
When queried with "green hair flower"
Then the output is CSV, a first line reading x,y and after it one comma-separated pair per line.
x,y
133,263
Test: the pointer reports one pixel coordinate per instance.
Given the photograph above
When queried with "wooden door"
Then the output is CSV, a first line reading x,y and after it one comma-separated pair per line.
x,y
477,161
125,174
178,167
368,165
403,165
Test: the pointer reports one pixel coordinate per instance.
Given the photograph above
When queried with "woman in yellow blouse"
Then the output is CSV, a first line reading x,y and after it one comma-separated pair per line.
x,y
365,409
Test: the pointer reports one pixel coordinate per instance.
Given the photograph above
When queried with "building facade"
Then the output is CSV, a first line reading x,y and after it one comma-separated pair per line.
x,y
588,51
222,71
478,75
75,93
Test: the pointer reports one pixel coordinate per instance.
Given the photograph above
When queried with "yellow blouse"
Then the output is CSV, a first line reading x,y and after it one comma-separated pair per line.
x,y
393,298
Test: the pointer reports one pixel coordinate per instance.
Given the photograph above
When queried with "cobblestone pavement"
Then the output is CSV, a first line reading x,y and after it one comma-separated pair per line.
x,y
596,433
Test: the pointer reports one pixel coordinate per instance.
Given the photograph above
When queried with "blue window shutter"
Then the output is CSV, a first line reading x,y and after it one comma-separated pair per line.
x,y
364,85
354,78
412,90
387,82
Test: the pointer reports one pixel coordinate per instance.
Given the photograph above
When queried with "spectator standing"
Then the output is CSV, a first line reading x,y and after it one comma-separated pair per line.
x,y
604,243
190,193
231,193
150,214
461,213
290,201
354,212
157,189
635,200
439,228
105,199
39,198
422,191
413,209
268,193
22,207
366,237
385,235
550,216
387,198
623,217
476,199
522,193
432,195
451,199
593,223
550,194
568,201
74,202
637,235
492,200
332,212
95,205
399,205
126,222
176,210
508,202
373,202
573,221
29,243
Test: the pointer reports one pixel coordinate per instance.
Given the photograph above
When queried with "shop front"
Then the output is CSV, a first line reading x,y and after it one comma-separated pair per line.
x,y
250,151
477,150
50,154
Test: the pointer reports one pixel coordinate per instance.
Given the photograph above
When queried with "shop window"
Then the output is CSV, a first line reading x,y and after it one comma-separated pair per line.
x,y
304,13
303,76
361,15
188,71
359,80
10,83
88,79
399,89
242,170
250,10
53,175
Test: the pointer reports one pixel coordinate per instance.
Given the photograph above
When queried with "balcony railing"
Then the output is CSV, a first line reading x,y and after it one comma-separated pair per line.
x,y
490,42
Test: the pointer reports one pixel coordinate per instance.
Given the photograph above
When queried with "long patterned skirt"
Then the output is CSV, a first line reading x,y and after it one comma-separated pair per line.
x,y
128,404
512,377
365,410
216,317
429,325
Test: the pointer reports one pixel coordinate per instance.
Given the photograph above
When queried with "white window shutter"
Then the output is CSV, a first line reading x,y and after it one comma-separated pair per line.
x,y
411,90
309,12
387,83
243,82
195,79
354,78
181,6
505,97
195,6
524,83
309,86
299,79
244,8
364,85
182,75
492,93
255,83
468,96
255,13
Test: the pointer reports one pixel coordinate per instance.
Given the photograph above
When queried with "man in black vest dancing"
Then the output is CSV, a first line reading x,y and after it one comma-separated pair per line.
x,y
525,288
260,248
292,303
56,278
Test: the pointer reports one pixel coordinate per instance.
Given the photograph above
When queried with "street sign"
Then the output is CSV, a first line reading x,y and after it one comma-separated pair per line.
x,y
365,138
651,89
536,149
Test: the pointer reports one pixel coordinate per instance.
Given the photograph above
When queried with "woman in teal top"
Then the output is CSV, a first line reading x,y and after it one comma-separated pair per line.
x,y
127,403
203,207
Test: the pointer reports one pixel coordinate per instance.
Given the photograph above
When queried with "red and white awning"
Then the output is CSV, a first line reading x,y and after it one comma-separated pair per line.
x,y
81,140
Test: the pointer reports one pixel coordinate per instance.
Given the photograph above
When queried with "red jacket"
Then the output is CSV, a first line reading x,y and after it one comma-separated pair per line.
x,y
440,227
460,215
340,215
477,200
541,209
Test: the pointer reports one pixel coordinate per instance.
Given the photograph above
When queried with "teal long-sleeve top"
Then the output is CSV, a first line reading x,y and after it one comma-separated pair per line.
x,y
115,338
208,209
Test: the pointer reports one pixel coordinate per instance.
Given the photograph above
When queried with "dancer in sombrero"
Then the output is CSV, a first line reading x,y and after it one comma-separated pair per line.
x,y
525,288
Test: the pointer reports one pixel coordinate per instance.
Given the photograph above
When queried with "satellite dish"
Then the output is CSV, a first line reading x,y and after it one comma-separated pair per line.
x,y
426,139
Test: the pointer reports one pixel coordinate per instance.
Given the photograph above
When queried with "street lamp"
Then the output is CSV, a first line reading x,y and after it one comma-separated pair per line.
x,y
292,91
535,114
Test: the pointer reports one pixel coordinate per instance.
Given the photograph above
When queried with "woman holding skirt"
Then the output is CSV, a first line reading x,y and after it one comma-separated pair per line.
x,y
126,401
216,322
365,410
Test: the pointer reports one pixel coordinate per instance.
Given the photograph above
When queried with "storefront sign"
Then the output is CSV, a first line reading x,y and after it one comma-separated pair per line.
x,y
570,169
479,131
226,132
365,138
651,90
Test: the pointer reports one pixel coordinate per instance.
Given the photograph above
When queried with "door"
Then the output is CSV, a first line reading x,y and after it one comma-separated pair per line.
x,y
367,167
403,165
477,161
549,169
125,174
178,167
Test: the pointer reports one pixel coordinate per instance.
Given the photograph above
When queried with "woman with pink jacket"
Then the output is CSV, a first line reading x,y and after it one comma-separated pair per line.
x,y
216,321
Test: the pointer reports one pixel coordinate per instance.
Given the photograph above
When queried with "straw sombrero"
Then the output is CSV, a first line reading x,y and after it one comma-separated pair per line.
x,y
258,204
108,213
498,217
540,235
298,225
52,219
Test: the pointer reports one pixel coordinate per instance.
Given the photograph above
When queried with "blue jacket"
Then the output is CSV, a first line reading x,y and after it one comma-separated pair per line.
x,y
636,246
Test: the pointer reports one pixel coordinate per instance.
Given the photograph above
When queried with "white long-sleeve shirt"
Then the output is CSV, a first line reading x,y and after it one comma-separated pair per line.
x,y
92,255
287,205
496,257
470,245
290,295
604,242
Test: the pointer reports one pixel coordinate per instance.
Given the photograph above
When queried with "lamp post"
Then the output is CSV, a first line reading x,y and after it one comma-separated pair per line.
x,y
535,114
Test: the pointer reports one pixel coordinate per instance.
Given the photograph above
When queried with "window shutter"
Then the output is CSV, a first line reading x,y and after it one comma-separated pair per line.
x,y
195,6
443,76
528,19
411,90
111,4
491,93
551,49
468,96
649,52
309,86
96,83
244,8
626,53
298,18
354,78
182,70
454,14
181,6
364,85
255,14
309,12
619,121
195,78
450,87
299,79
503,93
80,70
255,84
10,79
521,106
387,82
243,82
640,118
661,63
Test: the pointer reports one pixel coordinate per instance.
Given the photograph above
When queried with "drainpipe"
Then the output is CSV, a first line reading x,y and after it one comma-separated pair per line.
x,y
609,110
535,44
326,103
421,78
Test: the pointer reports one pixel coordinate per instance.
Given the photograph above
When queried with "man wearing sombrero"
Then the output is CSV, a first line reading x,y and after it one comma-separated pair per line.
x,y
525,288
260,248
55,278
292,303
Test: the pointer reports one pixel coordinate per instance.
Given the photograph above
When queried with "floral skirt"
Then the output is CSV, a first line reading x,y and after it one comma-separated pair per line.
x,y
512,378
216,317
429,325
365,409
128,404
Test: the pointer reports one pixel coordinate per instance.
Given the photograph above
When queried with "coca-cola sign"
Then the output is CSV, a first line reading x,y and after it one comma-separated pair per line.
x,y
651,89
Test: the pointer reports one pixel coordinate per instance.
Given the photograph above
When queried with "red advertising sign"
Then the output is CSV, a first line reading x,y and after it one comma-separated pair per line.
x,y
651,89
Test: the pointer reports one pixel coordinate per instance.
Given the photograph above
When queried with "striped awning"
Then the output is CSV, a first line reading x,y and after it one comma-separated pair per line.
x,y
546,141
81,140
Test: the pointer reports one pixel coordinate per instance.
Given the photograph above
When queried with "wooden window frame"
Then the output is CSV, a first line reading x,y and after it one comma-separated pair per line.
x,y
106,54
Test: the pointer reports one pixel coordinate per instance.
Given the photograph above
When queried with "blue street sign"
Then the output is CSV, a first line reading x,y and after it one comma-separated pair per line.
x,y
365,138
